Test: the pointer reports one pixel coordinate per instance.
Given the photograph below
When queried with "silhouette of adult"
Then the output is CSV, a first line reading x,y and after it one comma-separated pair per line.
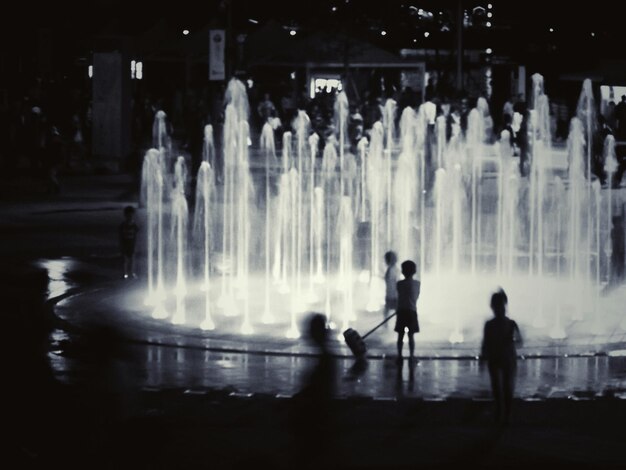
x,y
498,348
620,118
618,249
312,418
31,397
524,145
266,108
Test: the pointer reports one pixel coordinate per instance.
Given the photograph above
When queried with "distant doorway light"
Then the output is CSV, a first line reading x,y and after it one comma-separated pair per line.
x,y
90,71
139,70
324,84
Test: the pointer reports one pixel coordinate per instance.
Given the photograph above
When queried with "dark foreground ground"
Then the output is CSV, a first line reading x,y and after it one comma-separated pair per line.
x,y
174,429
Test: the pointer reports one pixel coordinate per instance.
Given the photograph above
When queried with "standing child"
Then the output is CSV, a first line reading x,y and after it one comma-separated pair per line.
x,y
392,276
498,348
128,236
408,293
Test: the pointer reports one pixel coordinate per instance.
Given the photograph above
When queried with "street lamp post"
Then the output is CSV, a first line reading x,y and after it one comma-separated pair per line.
x,y
459,46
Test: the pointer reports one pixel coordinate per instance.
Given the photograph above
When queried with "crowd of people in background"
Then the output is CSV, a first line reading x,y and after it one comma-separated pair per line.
x,y
46,135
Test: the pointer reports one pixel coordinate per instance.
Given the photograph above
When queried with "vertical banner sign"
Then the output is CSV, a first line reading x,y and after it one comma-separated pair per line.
x,y
217,38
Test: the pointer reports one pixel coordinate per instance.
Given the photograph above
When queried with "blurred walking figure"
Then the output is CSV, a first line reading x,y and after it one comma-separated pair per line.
x,y
501,334
128,236
55,156
266,109
313,417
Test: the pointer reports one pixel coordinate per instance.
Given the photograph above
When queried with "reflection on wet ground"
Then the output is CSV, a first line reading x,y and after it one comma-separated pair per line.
x,y
166,360
168,367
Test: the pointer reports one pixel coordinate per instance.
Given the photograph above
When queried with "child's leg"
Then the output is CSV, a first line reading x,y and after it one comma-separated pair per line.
x,y
399,344
411,344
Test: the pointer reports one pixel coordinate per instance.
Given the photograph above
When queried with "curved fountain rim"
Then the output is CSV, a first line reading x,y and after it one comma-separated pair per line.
x,y
182,332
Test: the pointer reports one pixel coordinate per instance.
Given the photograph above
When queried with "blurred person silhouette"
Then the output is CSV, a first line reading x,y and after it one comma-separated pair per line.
x,y
36,137
523,144
406,319
562,120
55,156
618,249
392,276
32,408
500,336
313,422
598,158
620,118
128,230
109,393
266,109
507,110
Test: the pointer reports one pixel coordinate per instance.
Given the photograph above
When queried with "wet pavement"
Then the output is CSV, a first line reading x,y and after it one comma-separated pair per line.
x,y
172,356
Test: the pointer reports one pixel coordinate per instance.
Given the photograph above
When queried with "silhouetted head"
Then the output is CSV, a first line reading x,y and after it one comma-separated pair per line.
x,y
408,268
499,301
391,258
317,329
129,212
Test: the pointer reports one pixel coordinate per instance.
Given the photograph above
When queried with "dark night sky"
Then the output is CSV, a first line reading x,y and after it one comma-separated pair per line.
x,y
582,34
526,19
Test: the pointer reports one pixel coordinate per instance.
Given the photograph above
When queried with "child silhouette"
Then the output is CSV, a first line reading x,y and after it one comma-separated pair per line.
x,y
128,236
498,348
406,319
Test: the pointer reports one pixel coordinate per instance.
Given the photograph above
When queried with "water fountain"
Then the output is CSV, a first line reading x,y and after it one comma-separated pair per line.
x,y
268,246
